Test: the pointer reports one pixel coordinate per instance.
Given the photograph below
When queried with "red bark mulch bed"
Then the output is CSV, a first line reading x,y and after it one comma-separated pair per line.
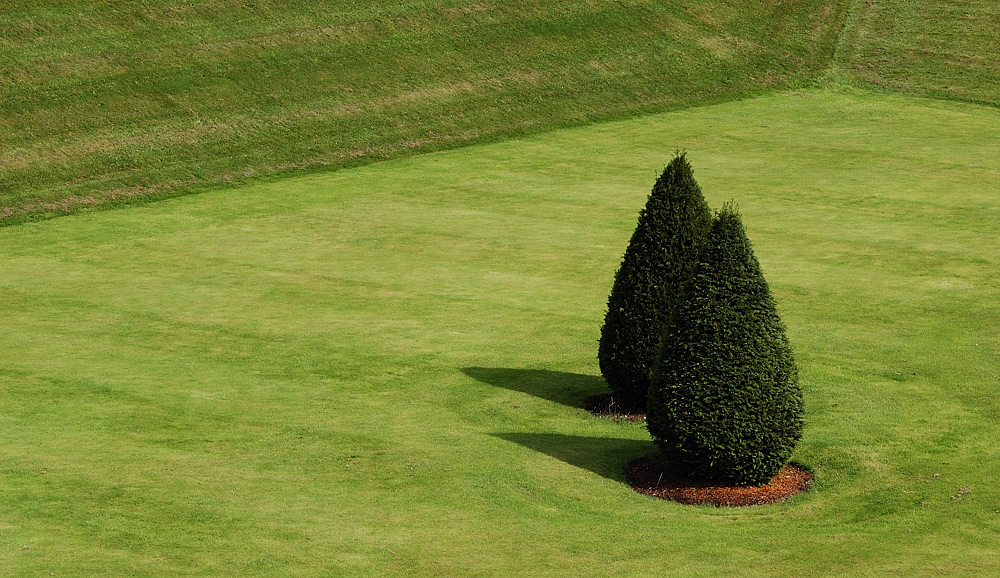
x,y
604,405
651,476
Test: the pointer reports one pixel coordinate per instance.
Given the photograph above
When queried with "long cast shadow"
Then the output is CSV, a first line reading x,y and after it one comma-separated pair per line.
x,y
604,456
558,386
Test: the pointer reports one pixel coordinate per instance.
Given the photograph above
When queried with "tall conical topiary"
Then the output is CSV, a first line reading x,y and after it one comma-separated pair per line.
x,y
724,399
658,259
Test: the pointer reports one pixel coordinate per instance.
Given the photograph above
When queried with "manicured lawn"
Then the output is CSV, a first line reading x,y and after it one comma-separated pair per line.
x,y
378,370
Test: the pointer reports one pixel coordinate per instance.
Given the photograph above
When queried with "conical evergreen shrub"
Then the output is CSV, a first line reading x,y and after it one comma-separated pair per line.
x,y
724,399
659,257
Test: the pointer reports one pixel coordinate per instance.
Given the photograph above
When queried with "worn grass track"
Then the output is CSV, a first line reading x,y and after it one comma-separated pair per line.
x,y
378,371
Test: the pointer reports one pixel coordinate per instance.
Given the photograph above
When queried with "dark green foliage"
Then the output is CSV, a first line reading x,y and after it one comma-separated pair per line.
x,y
658,259
724,400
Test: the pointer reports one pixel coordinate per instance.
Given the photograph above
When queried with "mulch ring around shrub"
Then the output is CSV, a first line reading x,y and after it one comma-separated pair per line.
x,y
651,476
604,405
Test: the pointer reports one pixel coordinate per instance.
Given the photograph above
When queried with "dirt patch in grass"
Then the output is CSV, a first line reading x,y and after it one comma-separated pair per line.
x,y
651,475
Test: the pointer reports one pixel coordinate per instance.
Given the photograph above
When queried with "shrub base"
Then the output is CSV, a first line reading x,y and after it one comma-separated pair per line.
x,y
605,405
651,475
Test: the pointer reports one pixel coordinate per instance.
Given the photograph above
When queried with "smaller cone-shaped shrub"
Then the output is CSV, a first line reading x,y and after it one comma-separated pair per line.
x,y
658,259
724,399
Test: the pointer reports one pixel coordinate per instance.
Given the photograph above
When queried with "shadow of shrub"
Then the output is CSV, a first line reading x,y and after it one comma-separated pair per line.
x,y
558,386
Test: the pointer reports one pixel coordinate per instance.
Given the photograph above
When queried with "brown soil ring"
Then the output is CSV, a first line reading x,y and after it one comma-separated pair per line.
x,y
651,476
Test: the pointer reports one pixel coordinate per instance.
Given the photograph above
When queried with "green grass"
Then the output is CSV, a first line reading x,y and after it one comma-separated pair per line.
x,y
941,49
378,371
105,103
110,102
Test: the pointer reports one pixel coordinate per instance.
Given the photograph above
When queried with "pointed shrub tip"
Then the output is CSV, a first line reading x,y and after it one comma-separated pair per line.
x,y
730,209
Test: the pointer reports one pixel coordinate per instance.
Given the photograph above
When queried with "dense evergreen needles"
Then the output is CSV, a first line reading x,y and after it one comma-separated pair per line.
x,y
658,259
724,401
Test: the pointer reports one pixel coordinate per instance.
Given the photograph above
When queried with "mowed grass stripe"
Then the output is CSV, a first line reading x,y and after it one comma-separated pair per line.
x,y
941,49
377,370
105,103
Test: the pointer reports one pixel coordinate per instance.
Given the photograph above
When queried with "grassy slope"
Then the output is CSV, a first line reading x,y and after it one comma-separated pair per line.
x,y
941,49
111,100
375,371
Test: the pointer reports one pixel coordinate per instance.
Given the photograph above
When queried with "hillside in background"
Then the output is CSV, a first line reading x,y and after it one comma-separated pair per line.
x,y
113,101
109,101
940,49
